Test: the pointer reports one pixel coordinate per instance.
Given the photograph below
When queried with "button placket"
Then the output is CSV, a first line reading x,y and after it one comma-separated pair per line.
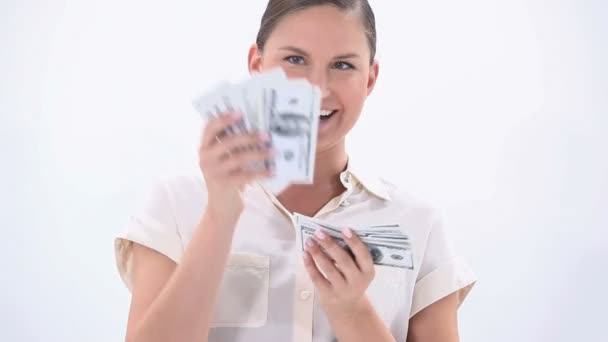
x,y
303,306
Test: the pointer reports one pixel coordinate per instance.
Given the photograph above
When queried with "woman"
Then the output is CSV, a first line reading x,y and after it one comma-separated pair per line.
x,y
215,258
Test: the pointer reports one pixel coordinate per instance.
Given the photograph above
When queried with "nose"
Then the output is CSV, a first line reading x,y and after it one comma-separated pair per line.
x,y
319,78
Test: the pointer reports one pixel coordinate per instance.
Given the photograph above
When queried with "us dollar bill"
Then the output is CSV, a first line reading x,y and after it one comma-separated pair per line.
x,y
291,108
287,110
224,99
387,244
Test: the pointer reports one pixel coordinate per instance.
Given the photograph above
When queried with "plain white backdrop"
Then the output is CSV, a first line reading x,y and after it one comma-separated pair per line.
x,y
495,111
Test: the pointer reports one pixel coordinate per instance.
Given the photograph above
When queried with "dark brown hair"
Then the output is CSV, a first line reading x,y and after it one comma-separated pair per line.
x,y
277,9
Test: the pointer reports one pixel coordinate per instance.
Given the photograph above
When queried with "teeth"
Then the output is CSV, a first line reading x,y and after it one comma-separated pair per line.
x,y
326,112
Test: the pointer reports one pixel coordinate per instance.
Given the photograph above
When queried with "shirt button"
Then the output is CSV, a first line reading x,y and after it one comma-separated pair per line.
x,y
304,295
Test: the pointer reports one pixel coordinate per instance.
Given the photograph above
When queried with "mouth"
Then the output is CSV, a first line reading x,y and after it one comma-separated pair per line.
x,y
327,113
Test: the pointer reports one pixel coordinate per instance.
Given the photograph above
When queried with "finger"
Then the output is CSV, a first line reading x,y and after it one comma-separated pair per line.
x,y
239,143
363,258
246,177
325,264
216,127
241,161
343,260
315,275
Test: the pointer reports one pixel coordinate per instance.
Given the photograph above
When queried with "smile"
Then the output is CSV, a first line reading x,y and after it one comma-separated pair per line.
x,y
326,114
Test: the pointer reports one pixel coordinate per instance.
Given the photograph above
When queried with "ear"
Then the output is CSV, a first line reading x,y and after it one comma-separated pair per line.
x,y
254,59
373,76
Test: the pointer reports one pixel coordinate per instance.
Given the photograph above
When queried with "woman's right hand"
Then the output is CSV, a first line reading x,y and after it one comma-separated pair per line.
x,y
223,162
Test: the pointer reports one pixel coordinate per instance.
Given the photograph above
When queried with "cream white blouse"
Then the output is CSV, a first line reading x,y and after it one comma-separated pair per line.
x,y
266,294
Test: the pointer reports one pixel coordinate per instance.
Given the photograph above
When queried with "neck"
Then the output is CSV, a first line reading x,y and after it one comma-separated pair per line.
x,y
329,164
310,198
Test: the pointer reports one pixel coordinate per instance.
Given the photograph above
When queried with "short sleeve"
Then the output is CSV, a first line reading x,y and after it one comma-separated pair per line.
x,y
442,272
153,226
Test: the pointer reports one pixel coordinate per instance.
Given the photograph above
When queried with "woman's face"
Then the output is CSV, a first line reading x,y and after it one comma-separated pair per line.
x,y
328,47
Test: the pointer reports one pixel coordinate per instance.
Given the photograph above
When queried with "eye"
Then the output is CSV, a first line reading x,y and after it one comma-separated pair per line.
x,y
343,66
294,59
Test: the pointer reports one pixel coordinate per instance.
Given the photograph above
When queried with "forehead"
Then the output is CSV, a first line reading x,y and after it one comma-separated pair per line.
x,y
326,28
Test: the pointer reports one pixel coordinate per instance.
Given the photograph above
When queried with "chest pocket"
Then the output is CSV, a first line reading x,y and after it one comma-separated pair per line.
x,y
243,297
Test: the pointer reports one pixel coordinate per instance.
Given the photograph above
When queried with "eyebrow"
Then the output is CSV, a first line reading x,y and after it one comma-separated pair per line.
x,y
303,53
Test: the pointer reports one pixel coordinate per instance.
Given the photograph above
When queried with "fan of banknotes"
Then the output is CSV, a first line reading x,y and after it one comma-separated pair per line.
x,y
387,244
287,109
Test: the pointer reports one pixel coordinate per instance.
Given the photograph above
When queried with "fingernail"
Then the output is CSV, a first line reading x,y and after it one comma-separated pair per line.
x,y
236,115
264,136
310,243
305,256
320,235
347,233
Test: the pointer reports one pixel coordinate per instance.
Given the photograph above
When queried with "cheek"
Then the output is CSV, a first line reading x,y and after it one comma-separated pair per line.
x,y
271,62
352,93
294,71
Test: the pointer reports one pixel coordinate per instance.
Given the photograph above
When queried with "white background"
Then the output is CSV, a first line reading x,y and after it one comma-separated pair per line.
x,y
495,111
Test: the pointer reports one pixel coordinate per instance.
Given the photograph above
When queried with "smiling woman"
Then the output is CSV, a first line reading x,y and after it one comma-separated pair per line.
x,y
210,258
342,62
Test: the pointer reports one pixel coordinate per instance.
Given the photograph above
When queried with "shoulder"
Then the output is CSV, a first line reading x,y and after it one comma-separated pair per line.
x,y
413,207
393,197
181,186
179,198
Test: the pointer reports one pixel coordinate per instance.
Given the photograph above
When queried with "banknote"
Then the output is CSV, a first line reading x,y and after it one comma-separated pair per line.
x,y
293,121
287,109
387,244
224,98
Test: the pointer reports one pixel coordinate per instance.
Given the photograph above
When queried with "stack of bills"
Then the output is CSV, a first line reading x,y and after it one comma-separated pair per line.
x,y
387,244
287,109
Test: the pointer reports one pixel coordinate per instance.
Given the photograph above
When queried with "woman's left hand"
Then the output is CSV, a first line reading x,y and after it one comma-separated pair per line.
x,y
342,292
